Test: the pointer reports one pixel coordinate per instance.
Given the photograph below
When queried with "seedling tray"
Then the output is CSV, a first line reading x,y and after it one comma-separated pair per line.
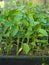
x,y
23,60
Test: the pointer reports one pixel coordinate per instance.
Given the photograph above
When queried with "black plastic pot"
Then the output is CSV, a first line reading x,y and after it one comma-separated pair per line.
x,y
23,60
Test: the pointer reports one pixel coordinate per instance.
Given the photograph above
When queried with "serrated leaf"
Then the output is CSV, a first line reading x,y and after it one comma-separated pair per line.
x,y
43,32
25,47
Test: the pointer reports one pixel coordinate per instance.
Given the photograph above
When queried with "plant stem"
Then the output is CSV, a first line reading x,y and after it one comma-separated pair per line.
x,y
0,49
7,43
17,46
22,41
47,39
28,40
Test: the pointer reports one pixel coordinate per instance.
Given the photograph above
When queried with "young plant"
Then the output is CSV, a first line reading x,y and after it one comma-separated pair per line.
x,y
23,23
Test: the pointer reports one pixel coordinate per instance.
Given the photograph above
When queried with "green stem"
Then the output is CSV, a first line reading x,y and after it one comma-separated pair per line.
x,y
28,40
8,40
47,39
0,49
17,49
22,41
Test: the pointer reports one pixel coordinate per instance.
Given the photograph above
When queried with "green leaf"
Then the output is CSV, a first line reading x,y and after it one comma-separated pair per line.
x,y
28,33
43,63
8,24
18,17
5,12
20,8
42,41
25,22
43,32
1,20
14,30
30,28
31,19
25,47
43,20
36,23
7,34
33,44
